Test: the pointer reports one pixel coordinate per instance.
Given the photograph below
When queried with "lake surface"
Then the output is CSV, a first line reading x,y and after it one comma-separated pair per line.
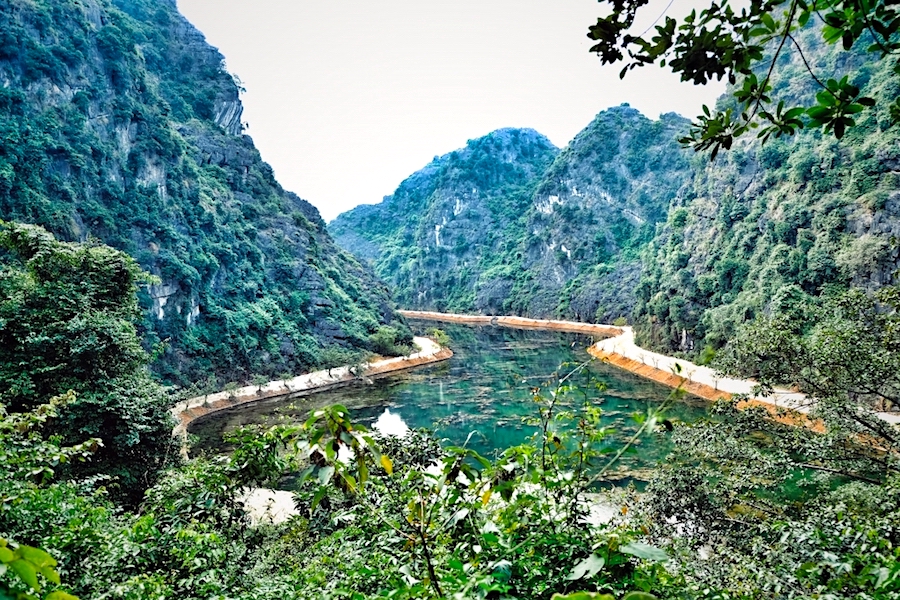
x,y
486,388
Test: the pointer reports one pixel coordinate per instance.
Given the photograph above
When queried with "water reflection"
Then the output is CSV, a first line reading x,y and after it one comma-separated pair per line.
x,y
485,388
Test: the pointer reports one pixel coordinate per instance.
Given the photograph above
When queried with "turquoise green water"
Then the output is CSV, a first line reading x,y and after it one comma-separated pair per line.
x,y
486,389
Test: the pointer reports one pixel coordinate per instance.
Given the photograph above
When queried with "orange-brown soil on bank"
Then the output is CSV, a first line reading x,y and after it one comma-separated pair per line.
x,y
707,392
187,411
515,322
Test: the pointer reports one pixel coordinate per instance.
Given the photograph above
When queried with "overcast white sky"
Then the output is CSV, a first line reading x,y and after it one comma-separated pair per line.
x,y
346,98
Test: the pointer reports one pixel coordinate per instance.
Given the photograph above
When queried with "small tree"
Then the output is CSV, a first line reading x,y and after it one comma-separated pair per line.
x,y
67,322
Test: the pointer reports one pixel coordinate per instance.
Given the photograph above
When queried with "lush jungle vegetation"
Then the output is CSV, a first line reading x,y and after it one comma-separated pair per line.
x,y
626,223
118,122
96,503
770,229
158,245
509,224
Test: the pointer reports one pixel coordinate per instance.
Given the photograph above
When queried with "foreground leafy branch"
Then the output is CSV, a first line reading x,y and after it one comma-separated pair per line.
x,y
744,47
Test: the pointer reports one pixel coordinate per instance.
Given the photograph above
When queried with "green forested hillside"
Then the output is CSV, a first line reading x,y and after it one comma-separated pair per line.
x,y
596,205
119,122
508,225
451,226
624,222
769,229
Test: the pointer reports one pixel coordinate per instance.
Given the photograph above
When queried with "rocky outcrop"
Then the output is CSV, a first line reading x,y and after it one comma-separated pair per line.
x,y
121,123
508,224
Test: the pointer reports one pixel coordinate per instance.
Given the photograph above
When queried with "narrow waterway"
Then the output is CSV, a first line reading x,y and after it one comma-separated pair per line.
x,y
486,388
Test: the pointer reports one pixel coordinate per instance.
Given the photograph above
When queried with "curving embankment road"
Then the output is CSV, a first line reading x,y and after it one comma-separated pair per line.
x,y
784,405
619,349
516,322
186,411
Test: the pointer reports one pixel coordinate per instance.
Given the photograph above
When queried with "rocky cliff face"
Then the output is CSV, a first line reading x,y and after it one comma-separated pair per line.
x,y
594,207
449,227
510,225
120,122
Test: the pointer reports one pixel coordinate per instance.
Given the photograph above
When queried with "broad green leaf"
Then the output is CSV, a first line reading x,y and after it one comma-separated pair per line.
x,y
645,552
60,595
831,34
36,556
588,567
363,471
883,574
320,493
639,596
306,473
50,573
325,474
6,555
26,572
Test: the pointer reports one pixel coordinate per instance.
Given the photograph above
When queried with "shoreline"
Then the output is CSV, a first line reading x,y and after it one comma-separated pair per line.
x,y
620,350
516,322
188,411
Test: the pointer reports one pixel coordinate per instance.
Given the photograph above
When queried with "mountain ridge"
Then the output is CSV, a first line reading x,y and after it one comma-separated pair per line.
x,y
121,123
544,224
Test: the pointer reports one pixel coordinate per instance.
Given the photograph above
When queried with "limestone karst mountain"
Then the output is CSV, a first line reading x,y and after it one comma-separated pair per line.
x,y
624,222
510,224
119,122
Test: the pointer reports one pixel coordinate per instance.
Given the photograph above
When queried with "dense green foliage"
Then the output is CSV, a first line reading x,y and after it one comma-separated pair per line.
x,y
724,492
506,225
755,511
448,227
382,517
767,229
26,563
67,324
118,121
404,518
410,519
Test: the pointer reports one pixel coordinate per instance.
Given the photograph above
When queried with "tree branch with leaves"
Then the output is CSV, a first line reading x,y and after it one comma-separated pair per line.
x,y
743,47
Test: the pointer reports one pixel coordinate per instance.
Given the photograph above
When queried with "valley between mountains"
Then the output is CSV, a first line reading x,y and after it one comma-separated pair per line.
x,y
149,259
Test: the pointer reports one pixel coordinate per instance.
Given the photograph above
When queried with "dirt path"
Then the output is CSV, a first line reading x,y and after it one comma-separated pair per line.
x,y
187,411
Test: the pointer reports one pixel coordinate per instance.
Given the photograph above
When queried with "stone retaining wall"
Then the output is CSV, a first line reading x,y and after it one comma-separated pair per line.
x,y
187,411
515,322
707,392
